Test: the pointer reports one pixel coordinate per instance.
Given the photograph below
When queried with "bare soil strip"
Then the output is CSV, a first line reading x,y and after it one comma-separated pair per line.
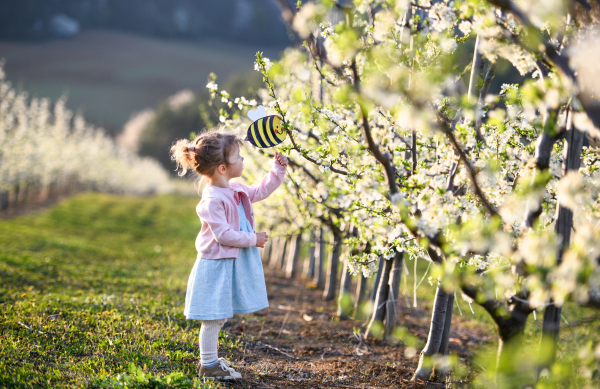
x,y
303,344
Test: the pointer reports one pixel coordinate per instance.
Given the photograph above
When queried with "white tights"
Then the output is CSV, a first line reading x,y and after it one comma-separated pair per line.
x,y
209,340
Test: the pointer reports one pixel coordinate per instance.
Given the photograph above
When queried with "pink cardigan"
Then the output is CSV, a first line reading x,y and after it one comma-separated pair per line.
x,y
220,235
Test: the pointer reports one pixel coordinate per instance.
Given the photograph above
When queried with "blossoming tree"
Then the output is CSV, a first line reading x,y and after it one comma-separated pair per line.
x,y
496,189
45,147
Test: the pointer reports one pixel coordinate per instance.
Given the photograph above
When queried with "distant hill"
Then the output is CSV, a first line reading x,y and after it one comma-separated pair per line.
x,y
110,75
249,21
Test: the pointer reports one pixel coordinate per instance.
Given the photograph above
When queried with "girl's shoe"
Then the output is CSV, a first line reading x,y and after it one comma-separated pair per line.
x,y
221,371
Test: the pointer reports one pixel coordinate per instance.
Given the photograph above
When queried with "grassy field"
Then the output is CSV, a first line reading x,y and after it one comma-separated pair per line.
x,y
110,75
92,296
94,284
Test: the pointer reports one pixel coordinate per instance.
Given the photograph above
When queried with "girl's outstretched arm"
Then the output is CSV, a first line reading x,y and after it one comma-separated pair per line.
x,y
212,212
271,181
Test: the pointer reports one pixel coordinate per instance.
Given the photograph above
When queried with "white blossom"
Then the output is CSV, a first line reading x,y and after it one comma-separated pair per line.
x,y
465,27
442,17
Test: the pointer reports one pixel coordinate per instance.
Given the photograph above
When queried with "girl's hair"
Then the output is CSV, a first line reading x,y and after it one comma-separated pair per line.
x,y
203,154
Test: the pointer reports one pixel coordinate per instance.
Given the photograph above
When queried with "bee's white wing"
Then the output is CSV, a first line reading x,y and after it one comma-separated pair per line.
x,y
260,112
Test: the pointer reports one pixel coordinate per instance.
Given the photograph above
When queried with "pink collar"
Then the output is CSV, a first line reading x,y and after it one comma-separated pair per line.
x,y
236,194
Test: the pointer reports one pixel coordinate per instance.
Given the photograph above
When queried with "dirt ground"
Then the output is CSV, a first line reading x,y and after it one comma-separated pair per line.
x,y
299,343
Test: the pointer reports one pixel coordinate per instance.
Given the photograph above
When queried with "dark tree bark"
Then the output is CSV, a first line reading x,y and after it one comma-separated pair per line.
x,y
283,247
345,284
332,269
309,263
345,298
381,297
487,81
359,296
391,308
319,277
447,326
508,374
3,201
563,226
446,335
543,151
292,257
510,319
413,152
436,332
373,295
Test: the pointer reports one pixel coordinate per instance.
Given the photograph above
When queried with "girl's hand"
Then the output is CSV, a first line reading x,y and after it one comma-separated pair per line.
x,y
281,159
261,239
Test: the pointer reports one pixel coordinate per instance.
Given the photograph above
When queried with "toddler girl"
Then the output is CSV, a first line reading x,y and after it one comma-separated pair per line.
x,y
227,277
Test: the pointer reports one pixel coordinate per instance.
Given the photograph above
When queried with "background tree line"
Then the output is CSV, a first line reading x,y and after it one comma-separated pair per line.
x,y
239,20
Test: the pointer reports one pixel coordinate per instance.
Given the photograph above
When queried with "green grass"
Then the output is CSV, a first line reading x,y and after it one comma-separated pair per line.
x,y
93,289
93,285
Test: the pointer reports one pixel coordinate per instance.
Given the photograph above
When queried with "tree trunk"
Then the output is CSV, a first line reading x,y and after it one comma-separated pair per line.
x,y
510,372
443,369
477,70
291,266
332,269
359,296
319,277
381,297
564,224
22,193
274,252
44,193
3,200
283,246
12,195
436,331
361,285
266,251
487,81
309,263
391,309
373,295
550,332
439,331
447,326
413,152
344,297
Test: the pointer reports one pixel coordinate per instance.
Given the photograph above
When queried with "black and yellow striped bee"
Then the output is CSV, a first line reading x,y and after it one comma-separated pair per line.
x,y
265,131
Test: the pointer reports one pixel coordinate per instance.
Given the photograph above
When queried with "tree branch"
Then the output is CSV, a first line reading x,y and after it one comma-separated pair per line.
x,y
287,128
472,175
383,158
543,152
493,307
487,81
534,39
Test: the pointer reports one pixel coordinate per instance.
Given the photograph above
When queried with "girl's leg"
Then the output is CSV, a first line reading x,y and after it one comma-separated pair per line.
x,y
209,340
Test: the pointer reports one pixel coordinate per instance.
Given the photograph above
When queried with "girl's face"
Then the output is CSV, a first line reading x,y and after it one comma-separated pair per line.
x,y
236,163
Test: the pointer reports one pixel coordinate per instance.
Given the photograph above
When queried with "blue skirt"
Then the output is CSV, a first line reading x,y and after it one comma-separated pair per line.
x,y
218,288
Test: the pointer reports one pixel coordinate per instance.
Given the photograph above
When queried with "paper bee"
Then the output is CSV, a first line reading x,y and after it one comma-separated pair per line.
x,y
265,131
